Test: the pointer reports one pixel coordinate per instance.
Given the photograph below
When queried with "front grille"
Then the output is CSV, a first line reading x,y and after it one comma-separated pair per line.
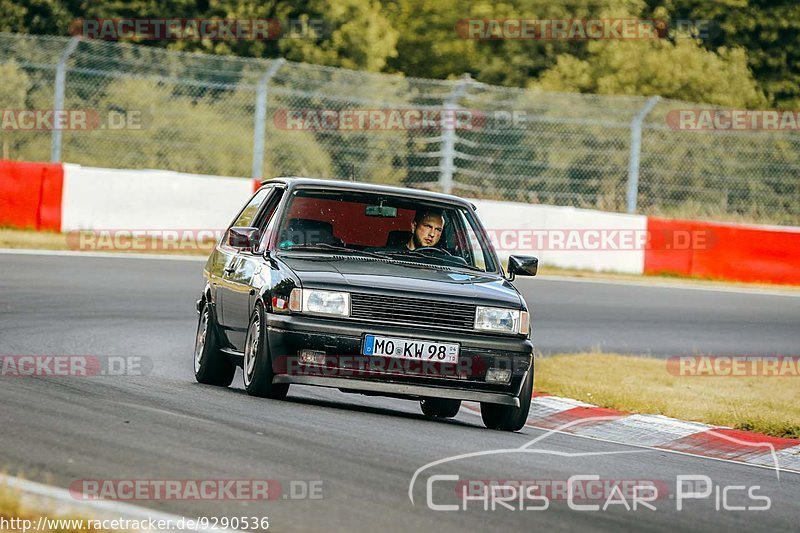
x,y
412,311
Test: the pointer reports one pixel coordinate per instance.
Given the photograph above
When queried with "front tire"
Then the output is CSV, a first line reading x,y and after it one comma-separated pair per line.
x,y
508,417
257,368
211,365
440,407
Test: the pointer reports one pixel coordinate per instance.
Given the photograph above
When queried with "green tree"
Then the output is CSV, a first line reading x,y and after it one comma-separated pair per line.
x,y
767,29
681,70
14,87
359,36
13,91
34,16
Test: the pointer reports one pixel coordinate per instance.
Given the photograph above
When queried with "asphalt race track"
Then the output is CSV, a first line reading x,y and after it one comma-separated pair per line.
x,y
359,452
661,321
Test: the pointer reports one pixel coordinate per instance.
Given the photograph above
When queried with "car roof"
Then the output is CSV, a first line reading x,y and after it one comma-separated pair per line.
x,y
295,181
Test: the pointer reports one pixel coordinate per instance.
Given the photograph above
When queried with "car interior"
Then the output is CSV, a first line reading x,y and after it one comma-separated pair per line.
x,y
360,224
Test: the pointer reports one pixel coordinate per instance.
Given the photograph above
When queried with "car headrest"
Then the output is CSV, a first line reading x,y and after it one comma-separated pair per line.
x,y
397,238
308,231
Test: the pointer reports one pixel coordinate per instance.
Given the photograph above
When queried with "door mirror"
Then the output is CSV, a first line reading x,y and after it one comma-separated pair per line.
x,y
243,237
522,265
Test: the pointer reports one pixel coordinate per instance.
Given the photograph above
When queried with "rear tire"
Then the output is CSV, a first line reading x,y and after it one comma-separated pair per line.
x,y
440,407
508,417
257,367
211,365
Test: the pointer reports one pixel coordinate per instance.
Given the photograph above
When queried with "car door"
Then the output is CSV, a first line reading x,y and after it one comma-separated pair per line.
x,y
238,290
229,258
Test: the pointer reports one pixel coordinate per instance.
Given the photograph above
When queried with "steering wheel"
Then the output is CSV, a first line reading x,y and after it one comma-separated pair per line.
x,y
432,248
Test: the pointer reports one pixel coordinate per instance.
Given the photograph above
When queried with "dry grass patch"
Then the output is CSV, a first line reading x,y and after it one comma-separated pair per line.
x,y
13,512
46,240
769,405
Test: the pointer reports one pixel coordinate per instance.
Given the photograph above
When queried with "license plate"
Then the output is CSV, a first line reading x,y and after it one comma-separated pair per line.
x,y
445,352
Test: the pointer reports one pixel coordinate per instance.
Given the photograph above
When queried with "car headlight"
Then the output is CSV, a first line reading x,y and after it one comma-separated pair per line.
x,y
501,320
316,302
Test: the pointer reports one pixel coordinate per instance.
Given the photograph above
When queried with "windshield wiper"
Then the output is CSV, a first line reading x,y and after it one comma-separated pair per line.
x,y
381,255
449,259
335,248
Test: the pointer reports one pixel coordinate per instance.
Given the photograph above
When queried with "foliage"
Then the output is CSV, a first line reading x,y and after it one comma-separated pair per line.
x,y
749,42
681,70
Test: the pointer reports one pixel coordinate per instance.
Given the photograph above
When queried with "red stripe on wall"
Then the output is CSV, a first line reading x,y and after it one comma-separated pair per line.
x,y
52,190
723,251
30,195
660,256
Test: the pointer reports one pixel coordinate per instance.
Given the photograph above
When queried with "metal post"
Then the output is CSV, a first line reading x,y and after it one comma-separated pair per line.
x,y
261,118
58,104
446,163
636,149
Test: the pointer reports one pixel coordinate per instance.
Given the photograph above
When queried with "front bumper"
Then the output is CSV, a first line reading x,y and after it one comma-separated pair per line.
x,y
345,368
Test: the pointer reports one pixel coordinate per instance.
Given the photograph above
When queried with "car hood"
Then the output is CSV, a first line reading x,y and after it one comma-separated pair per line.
x,y
357,274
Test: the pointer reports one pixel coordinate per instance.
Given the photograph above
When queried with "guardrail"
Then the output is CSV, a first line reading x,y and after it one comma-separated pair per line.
x,y
69,198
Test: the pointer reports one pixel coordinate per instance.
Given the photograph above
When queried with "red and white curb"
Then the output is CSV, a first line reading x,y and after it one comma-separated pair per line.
x,y
660,432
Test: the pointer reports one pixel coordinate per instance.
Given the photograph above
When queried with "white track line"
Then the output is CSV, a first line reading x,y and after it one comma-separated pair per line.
x,y
60,501
103,255
676,285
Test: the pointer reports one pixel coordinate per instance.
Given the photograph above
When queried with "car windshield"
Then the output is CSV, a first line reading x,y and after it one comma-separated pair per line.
x,y
385,226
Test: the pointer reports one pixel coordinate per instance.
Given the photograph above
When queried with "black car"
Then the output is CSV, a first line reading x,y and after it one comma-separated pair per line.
x,y
370,289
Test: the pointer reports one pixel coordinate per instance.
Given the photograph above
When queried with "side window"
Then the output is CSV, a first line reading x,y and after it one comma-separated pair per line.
x,y
247,215
477,252
449,240
474,247
265,217
270,206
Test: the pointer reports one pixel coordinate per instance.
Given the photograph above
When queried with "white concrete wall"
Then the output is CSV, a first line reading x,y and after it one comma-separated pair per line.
x,y
100,198
558,221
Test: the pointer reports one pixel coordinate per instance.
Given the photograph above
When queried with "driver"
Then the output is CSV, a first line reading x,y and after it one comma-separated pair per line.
x,y
426,229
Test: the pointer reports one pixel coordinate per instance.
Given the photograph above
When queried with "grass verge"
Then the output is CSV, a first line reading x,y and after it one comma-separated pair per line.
x,y
643,385
44,240
47,240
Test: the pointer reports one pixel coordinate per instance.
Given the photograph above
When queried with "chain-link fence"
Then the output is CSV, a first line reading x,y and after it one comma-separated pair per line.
x,y
248,117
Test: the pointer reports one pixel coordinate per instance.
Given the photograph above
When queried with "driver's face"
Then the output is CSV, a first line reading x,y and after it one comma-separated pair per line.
x,y
428,231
